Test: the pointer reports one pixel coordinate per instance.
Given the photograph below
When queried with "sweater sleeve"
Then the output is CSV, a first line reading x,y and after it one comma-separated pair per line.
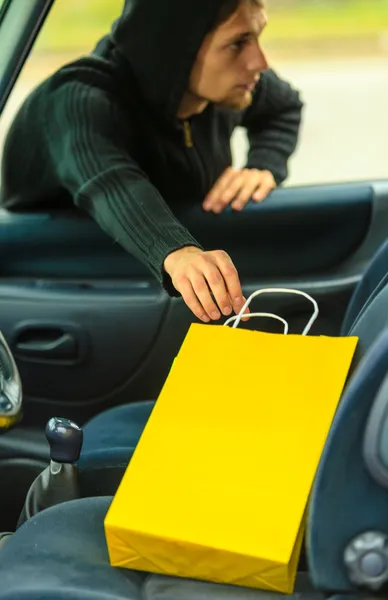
x,y
89,139
273,123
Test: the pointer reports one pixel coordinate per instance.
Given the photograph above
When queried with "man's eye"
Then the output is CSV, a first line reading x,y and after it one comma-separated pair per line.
x,y
239,45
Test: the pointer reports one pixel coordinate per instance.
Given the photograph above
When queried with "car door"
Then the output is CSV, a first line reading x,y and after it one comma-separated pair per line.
x,y
89,326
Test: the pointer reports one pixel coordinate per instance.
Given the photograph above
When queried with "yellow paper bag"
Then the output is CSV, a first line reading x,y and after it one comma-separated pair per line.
x,y
218,486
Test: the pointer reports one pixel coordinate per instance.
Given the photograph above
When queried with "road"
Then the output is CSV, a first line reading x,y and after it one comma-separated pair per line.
x,y
345,128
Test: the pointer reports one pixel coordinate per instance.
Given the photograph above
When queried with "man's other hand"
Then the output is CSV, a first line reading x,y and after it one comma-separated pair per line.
x,y
208,282
236,187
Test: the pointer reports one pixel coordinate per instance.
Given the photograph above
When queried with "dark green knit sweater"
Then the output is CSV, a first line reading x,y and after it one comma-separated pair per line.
x,y
102,132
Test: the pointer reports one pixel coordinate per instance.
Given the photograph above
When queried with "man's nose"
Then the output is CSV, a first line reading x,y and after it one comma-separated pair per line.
x,y
257,60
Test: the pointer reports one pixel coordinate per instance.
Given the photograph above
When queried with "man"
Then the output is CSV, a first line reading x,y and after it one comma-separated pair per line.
x,y
144,125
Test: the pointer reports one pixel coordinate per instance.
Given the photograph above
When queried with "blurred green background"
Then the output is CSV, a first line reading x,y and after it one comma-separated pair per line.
x,y
347,25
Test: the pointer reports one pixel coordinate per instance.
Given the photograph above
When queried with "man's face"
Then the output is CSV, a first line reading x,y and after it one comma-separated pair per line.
x,y
230,60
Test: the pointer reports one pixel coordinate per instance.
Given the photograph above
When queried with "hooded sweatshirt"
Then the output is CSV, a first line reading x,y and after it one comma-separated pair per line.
x,y
102,132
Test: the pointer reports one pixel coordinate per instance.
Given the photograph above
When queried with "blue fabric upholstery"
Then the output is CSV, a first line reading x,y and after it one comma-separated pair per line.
x,y
346,500
370,323
159,587
61,554
111,437
109,442
372,282
117,428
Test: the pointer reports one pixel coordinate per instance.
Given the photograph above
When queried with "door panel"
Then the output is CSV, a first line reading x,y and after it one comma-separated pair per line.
x,y
90,328
296,231
80,342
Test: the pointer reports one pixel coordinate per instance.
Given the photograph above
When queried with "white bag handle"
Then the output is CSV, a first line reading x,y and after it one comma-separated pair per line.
x,y
261,314
306,330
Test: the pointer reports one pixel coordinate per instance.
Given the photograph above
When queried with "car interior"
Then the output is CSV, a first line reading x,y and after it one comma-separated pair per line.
x,y
354,464
88,338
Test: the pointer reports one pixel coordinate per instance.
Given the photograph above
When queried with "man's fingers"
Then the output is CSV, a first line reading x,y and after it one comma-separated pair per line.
x,y
222,182
230,276
246,311
216,193
218,287
251,185
237,187
261,193
203,294
210,286
266,186
232,189
191,300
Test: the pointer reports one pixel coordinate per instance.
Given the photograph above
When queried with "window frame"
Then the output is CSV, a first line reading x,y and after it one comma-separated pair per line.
x,y
20,24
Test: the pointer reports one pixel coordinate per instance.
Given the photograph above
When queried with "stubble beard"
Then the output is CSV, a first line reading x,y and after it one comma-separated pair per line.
x,y
236,103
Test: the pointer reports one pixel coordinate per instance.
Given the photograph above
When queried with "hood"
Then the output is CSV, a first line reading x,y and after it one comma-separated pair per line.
x,y
160,40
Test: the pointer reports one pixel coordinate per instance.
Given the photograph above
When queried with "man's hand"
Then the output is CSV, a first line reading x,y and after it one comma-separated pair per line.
x,y
208,282
236,187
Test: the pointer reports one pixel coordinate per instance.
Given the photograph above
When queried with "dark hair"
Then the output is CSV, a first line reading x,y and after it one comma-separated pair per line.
x,y
229,7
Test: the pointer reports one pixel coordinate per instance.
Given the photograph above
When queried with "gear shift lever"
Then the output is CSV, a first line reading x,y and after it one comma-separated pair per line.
x,y
10,388
65,440
59,481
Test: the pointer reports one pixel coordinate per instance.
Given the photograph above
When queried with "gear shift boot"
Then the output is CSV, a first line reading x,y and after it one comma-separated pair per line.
x,y
59,481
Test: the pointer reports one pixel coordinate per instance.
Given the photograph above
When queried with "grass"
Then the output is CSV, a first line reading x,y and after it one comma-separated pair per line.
x,y
78,24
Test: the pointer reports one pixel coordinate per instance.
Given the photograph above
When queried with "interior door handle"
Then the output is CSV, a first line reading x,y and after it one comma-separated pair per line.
x,y
56,342
64,347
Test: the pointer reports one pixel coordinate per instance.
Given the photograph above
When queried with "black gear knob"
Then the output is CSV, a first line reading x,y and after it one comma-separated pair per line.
x,y
65,440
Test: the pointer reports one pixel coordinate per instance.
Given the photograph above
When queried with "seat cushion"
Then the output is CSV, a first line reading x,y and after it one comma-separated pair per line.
x,y
159,587
61,553
115,430
109,442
